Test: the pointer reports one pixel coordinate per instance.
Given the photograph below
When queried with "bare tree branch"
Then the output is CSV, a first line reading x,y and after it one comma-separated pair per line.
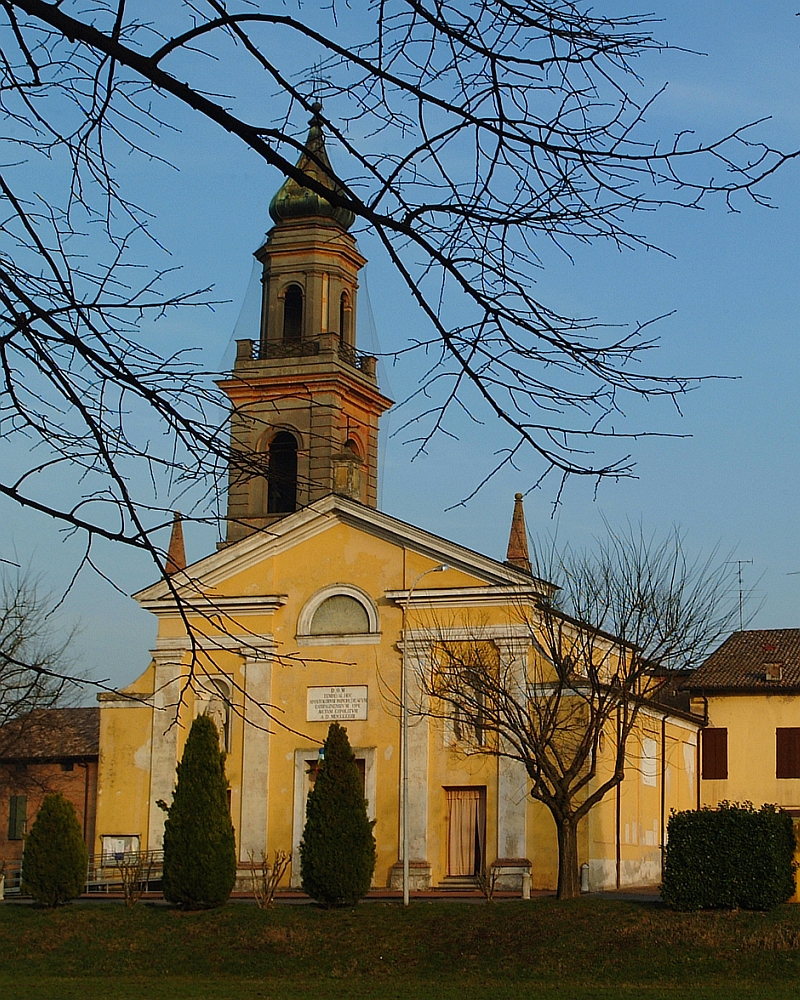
x,y
472,139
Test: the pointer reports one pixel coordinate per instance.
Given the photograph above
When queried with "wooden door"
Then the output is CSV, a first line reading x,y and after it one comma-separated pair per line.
x,y
466,830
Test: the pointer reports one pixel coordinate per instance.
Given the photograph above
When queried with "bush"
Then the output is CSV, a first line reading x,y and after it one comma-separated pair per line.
x,y
55,859
199,842
728,858
337,852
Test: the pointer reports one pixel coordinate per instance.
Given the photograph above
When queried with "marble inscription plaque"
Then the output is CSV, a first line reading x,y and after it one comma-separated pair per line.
x,y
337,704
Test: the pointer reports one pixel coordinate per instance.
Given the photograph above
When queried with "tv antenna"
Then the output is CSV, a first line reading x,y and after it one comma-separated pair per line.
x,y
738,563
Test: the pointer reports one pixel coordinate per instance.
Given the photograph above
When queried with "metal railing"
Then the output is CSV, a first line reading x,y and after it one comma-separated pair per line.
x,y
287,349
364,362
248,351
111,872
105,872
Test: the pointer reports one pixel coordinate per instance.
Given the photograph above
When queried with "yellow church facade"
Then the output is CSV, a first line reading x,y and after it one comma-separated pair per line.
x,y
310,623
316,608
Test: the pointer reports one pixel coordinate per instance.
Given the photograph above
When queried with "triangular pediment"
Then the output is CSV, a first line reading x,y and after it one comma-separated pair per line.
x,y
218,569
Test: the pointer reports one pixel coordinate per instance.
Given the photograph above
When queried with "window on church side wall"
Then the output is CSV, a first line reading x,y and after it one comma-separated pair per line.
x,y
293,314
340,615
282,481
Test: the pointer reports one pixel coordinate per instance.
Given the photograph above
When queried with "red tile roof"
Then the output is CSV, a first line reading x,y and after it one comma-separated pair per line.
x,y
52,734
740,663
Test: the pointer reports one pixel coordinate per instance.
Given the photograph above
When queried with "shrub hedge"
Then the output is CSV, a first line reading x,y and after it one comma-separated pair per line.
x,y
731,857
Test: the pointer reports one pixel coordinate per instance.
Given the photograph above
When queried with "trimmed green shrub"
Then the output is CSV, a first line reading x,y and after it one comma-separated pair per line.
x,y
337,852
199,842
55,859
731,857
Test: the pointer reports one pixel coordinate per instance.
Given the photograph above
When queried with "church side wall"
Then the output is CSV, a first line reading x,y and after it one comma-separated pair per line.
x,y
123,786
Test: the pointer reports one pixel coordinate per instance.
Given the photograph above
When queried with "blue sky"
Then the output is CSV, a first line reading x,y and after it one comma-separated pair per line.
x,y
730,288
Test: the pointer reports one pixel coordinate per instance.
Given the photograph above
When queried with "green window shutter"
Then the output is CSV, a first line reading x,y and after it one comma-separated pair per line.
x,y
17,817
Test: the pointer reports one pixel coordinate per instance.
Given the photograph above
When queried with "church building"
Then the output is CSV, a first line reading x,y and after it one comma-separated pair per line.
x,y
317,605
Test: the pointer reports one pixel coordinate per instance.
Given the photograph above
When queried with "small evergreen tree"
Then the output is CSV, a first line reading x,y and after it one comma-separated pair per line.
x,y
55,859
199,842
337,852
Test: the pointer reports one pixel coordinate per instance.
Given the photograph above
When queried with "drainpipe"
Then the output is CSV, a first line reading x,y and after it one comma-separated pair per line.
x,y
699,759
85,767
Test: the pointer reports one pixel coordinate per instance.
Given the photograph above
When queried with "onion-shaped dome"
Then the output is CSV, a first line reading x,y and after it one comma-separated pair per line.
x,y
293,201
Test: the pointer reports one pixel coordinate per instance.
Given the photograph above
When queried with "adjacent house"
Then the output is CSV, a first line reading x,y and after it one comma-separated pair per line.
x,y
748,692
47,750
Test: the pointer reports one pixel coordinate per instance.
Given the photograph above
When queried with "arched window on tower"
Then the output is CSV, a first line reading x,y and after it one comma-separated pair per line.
x,y
293,314
282,482
344,319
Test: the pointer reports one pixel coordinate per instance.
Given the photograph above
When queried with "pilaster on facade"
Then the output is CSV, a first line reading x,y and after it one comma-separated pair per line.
x,y
255,762
512,777
416,662
417,665
164,740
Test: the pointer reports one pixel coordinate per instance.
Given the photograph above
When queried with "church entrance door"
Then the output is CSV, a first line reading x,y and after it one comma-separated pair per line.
x,y
466,830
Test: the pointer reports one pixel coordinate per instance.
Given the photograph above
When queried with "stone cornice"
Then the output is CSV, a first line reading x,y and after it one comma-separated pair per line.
x,y
464,597
210,607
244,644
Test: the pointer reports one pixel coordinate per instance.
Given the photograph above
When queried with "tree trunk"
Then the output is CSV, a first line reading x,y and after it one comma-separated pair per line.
x,y
569,880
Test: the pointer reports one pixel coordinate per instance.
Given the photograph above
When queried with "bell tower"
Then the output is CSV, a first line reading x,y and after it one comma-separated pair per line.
x,y
305,402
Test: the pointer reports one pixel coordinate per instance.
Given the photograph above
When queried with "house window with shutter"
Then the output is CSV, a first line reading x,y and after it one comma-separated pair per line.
x,y
715,754
17,817
787,753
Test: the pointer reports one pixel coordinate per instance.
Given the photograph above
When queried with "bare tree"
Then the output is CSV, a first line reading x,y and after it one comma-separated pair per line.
x,y
604,643
471,138
35,670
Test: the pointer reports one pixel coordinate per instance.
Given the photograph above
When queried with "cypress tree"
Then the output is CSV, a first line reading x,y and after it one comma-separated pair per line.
x,y
55,859
337,852
199,843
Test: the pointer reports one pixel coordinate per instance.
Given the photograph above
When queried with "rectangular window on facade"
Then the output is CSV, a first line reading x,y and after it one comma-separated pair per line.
x,y
715,754
17,817
787,753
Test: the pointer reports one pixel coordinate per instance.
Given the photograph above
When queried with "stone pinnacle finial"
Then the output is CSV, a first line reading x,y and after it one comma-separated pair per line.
x,y
517,554
176,555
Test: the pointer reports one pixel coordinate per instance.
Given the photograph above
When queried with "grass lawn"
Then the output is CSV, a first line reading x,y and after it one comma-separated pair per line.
x,y
595,948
